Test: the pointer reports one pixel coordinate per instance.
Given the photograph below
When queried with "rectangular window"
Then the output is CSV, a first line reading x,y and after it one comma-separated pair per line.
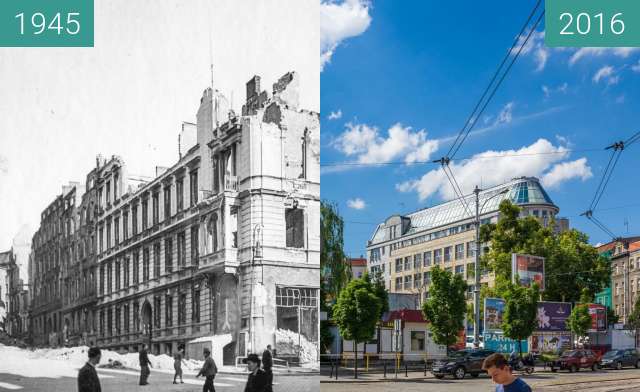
x,y
101,240
109,278
118,320
136,319
145,264
167,202
417,261
417,340
136,267
417,280
180,194
182,245
194,245
126,270
426,258
471,270
407,282
126,318
459,269
109,321
134,219
108,234
447,254
426,278
156,260
115,186
116,230
182,309
399,283
157,311
437,256
145,213
102,323
195,306
294,219
125,225
407,263
398,265
168,308
193,186
471,249
102,279
108,188
155,202
117,275
168,255
459,251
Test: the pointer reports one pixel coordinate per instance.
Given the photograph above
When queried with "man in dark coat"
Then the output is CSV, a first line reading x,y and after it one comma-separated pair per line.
x,y
144,365
209,370
87,376
267,364
258,380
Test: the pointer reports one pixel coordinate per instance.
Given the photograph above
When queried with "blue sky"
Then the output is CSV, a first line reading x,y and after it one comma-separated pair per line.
x,y
400,78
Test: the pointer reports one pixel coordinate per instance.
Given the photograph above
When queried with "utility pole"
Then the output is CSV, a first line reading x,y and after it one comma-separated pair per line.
x,y
476,290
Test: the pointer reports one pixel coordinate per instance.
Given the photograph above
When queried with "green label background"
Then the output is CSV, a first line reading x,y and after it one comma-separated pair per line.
x,y
630,15
10,25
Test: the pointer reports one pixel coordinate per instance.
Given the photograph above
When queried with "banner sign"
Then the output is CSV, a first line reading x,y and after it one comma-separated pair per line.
x,y
598,315
552,316
493,310
496,341
528,269
550,342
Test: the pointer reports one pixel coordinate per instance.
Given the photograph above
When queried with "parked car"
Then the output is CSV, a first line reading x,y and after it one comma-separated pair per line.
x,y
574,360
617,359
459,363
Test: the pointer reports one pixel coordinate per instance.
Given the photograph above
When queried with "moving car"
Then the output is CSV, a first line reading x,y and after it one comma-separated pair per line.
x,y
617,359
574,360
459,363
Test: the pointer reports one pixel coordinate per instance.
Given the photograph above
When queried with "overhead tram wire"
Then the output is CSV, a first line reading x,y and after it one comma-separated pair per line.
x,y
495,75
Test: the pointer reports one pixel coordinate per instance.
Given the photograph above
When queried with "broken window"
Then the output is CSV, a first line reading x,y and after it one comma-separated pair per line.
x,y
297,319
294,218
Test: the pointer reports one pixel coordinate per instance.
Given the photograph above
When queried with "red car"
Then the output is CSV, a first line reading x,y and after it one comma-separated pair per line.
x,y
574,360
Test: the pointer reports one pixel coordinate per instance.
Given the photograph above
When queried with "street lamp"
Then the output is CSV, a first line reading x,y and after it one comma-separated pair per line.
x,y
476,291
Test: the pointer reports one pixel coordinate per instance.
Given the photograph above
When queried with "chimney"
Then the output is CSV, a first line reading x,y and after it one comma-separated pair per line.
x,y
253,87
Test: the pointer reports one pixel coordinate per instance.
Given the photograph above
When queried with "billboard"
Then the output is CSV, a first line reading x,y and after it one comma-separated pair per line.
x,y
496,341
550,342
552,316
493,310
529,269
598,315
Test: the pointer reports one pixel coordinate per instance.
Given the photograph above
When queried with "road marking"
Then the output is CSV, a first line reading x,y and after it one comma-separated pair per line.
x,y
6,385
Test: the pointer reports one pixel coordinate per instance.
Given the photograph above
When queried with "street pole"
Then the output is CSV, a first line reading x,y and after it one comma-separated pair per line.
x,y
476,291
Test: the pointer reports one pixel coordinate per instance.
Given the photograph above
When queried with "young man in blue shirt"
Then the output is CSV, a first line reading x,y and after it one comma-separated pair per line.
x,y
500,372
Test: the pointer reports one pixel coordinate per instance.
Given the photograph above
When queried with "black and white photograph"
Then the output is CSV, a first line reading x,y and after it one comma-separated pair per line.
x,y
160,201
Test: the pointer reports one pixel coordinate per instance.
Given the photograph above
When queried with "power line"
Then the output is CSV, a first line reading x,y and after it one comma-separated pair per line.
x,y
495,75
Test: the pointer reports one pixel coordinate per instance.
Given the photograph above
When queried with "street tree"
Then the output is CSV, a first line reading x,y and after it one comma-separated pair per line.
x,y
335,272
446,306
580,320
377,280
356,313
571,263
520,310
634,318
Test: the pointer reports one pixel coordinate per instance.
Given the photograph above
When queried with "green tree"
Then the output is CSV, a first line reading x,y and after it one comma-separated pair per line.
x,y
612,317
580,320
634,317
520,310
571,264
326,337
380,291
446,306
356,313
335,272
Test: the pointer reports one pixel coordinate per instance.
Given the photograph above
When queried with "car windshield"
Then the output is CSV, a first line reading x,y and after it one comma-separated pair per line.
x,y
569,353
613,353
459,354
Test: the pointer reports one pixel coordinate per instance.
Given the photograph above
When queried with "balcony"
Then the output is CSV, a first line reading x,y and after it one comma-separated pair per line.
x,y
223,260
231,183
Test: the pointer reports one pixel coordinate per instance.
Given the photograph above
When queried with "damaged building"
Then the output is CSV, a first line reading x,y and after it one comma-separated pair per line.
x,y
223,246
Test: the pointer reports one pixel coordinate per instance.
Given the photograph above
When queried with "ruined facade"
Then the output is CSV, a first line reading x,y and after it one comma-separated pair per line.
x,y
225,243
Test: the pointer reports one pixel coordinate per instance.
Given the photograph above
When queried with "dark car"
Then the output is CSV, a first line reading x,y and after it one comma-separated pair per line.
x,y
617,359
459,363
574,360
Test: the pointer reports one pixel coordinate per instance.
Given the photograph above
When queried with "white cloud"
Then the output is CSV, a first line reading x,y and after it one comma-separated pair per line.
x,y
494,167
606,74
335,115
548,91
368,146
584,53
564,171
339,21
636,67
535,47
356,204
506,114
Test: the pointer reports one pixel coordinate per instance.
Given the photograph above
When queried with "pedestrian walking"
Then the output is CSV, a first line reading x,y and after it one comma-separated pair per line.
x,y
497,367
144,365
88,380
209,370
177,365
257,381
267,364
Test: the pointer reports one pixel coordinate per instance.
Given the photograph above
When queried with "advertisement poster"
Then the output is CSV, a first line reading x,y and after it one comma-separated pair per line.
x,y
493,310
598,315
496,341
528,269
552,316
550,343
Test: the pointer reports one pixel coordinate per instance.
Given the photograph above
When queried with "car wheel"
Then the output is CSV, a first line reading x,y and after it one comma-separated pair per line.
x,y
553,370
475,374
573,368
595,367
619,365
459,373
439,376
638,364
